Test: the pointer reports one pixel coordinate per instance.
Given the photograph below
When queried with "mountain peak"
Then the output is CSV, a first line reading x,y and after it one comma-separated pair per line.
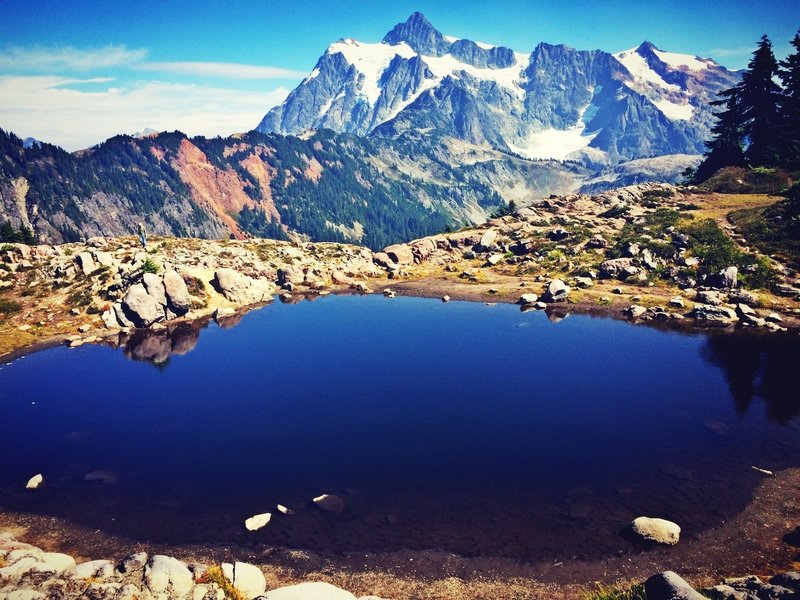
x,y
418,33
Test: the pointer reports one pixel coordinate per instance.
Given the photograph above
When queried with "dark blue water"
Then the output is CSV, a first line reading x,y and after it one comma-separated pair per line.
x,y
465,427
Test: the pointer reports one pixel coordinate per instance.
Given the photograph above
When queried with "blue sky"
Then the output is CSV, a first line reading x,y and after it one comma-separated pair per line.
x,y
77,72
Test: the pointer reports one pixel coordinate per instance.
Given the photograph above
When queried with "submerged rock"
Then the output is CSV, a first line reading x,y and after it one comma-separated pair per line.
x,y
330,503
656,530
34,482
256,522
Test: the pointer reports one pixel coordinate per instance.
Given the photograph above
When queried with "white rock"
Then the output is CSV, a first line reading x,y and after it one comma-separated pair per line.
x,y
256,522
162,572
56,562
25,595
284,510
97,569
657,530
18,568
249,580
316,590
34,482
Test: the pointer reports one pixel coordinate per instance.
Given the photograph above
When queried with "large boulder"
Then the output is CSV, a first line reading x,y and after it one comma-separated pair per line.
x,y
141,308
155,287
177,293
246,578
725,279
487,239
556,291
85,262
423,249
312,590
670,586
400,254
656,530
713,314
168,575
620,268
289,274
240,288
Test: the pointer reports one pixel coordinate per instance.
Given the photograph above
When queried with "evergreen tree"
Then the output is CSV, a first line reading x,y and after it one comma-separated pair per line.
x,y
759,99
725,149
789,73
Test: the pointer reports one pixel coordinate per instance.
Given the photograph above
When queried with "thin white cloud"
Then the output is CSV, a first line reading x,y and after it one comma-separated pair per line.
x,y
47,108
221,69
728,52
40,59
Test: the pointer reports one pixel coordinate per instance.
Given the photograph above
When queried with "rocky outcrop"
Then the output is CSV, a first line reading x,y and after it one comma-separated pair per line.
x,y
29,573
141,308
242,289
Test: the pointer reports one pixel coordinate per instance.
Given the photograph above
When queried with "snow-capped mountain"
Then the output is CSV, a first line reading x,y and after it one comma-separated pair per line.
x,y
556,102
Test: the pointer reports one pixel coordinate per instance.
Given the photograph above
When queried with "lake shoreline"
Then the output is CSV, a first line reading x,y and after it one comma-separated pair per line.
x,y
753,542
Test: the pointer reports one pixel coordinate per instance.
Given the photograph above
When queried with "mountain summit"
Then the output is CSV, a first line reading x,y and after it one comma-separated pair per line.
x,y
554,103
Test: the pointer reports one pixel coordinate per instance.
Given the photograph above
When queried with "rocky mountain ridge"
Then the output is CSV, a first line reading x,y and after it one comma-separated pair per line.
x,y
554,103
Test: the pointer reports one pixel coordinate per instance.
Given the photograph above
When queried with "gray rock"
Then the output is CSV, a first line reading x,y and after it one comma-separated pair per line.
x,y
141,307
85,262
726,592
725,279
556,291
487,239
247,578
494,259
291,275
718,314
133,563
165,574
670,586
240,288
743,297
711,297
155,287
122,318
676,301
789,580
400,254
177,293
527,299
656,530
95,569
621,268
597,241
635,311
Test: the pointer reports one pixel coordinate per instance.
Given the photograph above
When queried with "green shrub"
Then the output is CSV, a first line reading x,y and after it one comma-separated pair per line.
x,y
9,307
150,266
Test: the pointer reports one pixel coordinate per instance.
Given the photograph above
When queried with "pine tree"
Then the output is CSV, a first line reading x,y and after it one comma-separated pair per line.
x,y
725,149
759,99
789,73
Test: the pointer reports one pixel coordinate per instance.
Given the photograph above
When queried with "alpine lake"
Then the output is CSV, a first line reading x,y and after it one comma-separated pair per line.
x,y
480,430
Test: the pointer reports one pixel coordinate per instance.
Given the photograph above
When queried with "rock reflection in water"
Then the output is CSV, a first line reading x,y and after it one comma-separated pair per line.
x,y
158,346
758,366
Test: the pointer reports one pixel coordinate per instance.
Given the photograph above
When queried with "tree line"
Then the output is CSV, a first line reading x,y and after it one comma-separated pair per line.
x,y
758,124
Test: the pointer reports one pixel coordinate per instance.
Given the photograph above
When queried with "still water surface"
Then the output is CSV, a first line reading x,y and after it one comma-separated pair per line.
x,y
477,429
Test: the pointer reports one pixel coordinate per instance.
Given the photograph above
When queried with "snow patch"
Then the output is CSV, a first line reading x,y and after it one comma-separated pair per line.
x,y
555,143
673,111
371,61
450,38
676,61
510,77
484,46
638,67
311,75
